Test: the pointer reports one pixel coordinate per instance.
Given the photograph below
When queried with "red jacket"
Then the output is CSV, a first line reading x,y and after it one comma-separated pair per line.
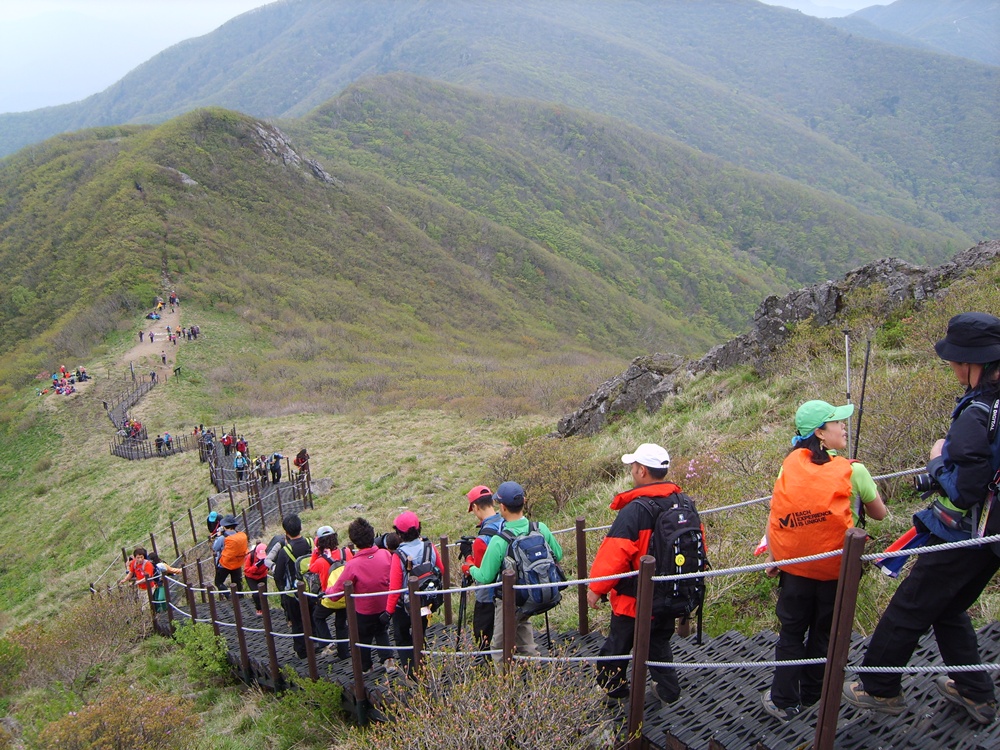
x,y
625,544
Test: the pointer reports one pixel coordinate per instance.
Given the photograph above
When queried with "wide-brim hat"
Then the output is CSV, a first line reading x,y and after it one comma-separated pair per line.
x,y
229,520
971,337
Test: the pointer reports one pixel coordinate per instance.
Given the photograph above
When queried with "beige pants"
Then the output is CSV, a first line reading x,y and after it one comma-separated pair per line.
x,y
524,635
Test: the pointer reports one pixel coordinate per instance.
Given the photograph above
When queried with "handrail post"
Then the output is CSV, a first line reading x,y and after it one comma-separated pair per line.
x,y
152,604
190,595
307,629
201,580
246,526
152,543
446,575
509,606
165,582
211,608
194,534
581,572
360,693
177,547
260,507
840,641
640,651
272,652
241,637
416,624
232,500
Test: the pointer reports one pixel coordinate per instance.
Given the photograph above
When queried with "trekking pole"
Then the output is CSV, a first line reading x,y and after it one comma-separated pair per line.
x,y
862,519
466,581
548,633
847,358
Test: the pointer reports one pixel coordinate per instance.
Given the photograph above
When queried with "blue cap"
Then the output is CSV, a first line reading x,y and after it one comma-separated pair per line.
x,y
213,517
510,494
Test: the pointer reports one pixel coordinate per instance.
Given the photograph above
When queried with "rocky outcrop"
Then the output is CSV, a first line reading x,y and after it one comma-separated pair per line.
x,y
277,148
650,379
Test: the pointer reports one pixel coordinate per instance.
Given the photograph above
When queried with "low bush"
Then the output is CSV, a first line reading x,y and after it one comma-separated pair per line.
x,y
307,715
455,705
556,469
124,718
206,652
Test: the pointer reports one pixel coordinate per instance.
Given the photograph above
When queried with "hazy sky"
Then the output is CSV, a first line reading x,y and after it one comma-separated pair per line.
x,y
59,51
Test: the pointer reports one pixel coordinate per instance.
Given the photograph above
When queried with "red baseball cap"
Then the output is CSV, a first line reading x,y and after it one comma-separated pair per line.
x,y
406,520
480,490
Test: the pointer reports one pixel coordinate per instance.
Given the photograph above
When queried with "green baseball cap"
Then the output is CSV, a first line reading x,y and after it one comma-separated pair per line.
x,y
814,414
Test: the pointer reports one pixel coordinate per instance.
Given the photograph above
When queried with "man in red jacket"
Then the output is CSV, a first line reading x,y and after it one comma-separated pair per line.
x,y
620,552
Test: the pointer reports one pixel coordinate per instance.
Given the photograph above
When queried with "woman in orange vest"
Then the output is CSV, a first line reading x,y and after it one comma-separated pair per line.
x,y
140,570
812,507
231,551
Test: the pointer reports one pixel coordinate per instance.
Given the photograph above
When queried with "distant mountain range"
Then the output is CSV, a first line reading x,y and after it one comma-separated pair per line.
x,y
403,222
965,28
896,132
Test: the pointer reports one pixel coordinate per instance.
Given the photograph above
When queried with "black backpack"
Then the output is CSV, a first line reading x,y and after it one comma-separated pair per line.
x,y
678,544
530,557
428,577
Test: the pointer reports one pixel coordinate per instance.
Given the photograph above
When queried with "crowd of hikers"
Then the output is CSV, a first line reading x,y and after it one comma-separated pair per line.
x,y
64,381
818,495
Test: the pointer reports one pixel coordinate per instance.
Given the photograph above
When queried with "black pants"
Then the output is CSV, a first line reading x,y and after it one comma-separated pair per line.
x,y
612,674
275,476
482,624
805,609
403,636
321,628
936,594
290,605
371,631
252,584
236,576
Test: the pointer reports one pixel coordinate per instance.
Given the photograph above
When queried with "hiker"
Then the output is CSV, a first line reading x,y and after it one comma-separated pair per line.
x,y
142,335
241,446
151,334
139,570
168,442
230,551
159,444
328,558
293,548
240,463
301,462
413,550
260,466
214,523
227,443
152,376
481,503
621,550
817,488
510,495
368,570
161,569
942,586
163,356
276,467
255,572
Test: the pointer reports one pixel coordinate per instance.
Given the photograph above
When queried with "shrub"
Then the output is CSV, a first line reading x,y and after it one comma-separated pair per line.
x,y
73,645
206,652
12,662
548,468
307,715
454,705
124,718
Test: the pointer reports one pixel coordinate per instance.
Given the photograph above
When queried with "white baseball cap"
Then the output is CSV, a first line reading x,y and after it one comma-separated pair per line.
x,y
648,454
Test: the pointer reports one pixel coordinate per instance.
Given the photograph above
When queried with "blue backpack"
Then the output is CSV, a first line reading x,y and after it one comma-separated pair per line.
x,y
531,560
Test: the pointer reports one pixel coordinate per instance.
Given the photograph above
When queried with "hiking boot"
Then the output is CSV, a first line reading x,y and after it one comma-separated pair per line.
x,y
781,714
856,696
658,692
984,713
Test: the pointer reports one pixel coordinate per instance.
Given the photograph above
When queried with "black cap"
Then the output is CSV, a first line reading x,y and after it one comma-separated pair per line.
x,y
972,337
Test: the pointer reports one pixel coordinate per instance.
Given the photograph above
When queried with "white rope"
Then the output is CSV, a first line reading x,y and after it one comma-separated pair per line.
x,y
735,664
927,670
462,653
974,542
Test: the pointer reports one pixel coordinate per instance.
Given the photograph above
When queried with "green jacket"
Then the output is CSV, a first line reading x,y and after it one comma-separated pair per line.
x,y
492,563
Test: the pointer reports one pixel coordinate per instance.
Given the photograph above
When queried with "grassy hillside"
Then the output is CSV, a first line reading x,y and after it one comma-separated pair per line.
x,y
453,231
898,132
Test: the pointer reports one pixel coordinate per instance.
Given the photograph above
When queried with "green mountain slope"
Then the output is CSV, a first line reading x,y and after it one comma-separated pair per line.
x,y
449,223
897,132
965,28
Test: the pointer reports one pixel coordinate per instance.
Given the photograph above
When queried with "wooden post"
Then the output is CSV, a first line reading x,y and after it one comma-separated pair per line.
x,y
840,641
640,650
241,637
152,605
152,542
165,582
194,534
272,652
416,623
581,572
260,507
360,693
307,630
190,595
124,556
509,620
446,575
201,581
177,547
281,513
212,609
246,526
232,500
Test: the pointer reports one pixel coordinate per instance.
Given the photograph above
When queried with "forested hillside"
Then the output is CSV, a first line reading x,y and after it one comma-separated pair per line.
x,y
965,28
897,132
449,228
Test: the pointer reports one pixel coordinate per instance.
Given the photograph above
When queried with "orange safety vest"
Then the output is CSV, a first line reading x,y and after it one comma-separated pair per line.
x,y
234,551
142,574
810,513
